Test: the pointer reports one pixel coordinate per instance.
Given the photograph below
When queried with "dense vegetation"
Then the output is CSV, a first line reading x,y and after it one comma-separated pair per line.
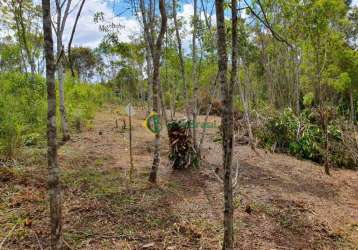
x,y
23,107
304,137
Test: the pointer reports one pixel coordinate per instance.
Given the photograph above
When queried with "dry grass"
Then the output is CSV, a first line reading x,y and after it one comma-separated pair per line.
x,y
293,205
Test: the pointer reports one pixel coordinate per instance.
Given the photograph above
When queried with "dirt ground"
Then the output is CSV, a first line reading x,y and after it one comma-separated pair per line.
x,y
280,202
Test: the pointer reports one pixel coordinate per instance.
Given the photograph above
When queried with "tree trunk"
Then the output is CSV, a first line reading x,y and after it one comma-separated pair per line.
x,y
156,155
195,76
156,54
61,21
181,60
298,63
227,120
54,172
244,100
352,108
63,113
150,79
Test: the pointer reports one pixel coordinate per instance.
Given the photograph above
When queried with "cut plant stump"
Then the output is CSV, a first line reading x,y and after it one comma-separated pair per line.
x,y
182,152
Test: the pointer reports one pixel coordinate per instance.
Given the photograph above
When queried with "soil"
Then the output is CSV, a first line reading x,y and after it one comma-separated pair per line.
x,y
280,202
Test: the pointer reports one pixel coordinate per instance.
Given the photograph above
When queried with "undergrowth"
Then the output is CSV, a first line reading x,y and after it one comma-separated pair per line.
x,y
304,137
23,109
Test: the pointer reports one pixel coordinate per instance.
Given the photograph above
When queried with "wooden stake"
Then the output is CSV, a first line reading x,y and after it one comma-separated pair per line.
x,y
130,142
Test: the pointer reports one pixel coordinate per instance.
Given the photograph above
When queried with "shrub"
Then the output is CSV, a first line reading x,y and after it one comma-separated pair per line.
x,y
304,137
280,130
23,108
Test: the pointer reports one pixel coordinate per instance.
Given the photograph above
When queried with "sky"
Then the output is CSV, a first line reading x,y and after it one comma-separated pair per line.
x,y
88,33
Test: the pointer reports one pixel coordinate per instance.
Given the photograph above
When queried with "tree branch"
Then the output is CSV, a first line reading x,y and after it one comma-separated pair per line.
x,y
266,23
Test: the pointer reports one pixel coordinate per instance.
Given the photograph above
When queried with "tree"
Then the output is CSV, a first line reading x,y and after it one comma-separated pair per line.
x,y
23,18
60,27
53,168
10,56
62,12
155,49
194,71
227,121
84,62
181,57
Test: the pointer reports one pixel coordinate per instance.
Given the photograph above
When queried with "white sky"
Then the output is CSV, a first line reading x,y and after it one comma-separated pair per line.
x,y
88,33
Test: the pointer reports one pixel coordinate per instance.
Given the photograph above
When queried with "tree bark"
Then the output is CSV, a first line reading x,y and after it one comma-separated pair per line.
x,y
244,99
195,75
60,74
181,59
53,168
61,22
352,108
149,75
156,87
298,73
227,120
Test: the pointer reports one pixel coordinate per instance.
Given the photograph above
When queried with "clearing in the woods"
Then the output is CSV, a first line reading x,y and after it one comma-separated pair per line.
x,y
280,202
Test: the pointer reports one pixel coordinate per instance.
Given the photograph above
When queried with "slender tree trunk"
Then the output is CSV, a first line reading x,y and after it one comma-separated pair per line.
x,y
64,125
298,73
150,78
195,76
208,110
162,103
72,36
130,143
324,115
326,161
156,156
352,108
156,54
227,120
244,100
181,59
270,82
54,171
61,21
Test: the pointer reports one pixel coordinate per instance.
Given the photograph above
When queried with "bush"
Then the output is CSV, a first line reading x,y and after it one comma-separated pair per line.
x,y
279,130
23,109
304,137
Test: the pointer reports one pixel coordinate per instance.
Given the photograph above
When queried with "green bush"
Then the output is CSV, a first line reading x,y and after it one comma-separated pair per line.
x,y
280,129
304,137
23,108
